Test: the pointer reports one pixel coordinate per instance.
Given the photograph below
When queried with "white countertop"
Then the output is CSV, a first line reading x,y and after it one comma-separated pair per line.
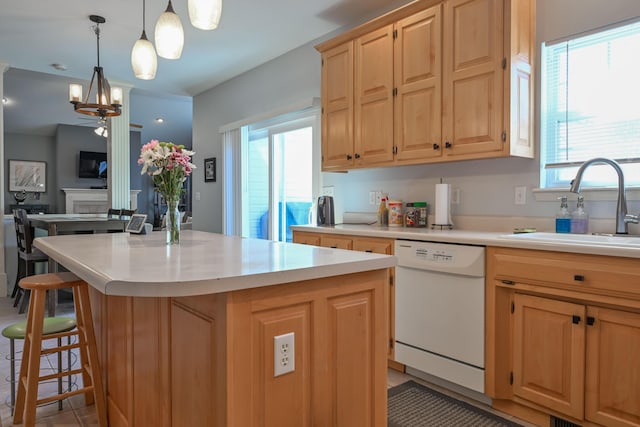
x,y
574,243
203,263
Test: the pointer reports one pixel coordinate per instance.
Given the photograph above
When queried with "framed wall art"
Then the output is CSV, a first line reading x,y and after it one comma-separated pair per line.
x,y
28,176
210,169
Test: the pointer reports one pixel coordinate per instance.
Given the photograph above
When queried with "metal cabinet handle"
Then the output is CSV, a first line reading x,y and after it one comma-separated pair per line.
x,y
591,320
436,146
447,144
575,319
349,157
357,156
578,277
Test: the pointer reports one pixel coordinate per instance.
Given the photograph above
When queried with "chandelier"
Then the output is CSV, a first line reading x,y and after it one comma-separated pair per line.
x,y
108,101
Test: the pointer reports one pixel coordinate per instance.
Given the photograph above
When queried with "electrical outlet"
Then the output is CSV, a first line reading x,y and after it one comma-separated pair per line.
x,y
328,191
378,197
520,195
284,355
455,196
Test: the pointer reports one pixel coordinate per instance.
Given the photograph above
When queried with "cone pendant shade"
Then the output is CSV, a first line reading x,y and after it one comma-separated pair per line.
x,y
169,35
205,14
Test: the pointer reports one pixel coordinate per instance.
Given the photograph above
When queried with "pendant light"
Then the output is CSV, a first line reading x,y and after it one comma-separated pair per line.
x,y
143,55
169,34
205,14
108,101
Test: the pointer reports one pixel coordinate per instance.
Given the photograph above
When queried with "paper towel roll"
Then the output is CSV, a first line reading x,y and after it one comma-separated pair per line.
x,y
443,217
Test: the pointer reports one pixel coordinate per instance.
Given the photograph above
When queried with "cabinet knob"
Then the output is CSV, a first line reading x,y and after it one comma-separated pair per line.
x,y
578,278
357,156
436,146
576,319
447,144
349,157
591,320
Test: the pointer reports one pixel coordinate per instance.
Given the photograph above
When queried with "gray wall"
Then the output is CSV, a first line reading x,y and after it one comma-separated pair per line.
x,y
487,186
34,148
61,155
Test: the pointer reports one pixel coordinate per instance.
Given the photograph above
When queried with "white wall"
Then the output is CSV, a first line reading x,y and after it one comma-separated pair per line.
x,y
487,186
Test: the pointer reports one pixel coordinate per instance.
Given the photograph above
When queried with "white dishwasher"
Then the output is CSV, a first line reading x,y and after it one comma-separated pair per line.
x,y
440,310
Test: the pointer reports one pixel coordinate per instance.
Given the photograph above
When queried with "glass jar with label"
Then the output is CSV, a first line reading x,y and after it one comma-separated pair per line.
x,y
422,213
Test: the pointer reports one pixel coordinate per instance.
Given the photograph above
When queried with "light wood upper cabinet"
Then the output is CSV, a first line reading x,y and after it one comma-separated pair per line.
x,y
418,83
444,82
374,97
473,78
337,107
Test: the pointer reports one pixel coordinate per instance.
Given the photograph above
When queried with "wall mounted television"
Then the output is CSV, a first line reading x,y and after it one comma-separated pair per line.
x,y
92,164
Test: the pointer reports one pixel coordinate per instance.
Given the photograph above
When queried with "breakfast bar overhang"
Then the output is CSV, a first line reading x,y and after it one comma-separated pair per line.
x,y
186,332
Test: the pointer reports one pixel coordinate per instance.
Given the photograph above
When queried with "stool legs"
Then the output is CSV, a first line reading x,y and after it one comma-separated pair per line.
x,y
30,367
27,396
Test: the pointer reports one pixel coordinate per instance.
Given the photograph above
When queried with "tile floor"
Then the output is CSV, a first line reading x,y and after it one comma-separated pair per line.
x,y
75,413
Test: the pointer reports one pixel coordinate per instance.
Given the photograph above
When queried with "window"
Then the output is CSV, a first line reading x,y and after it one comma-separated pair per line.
x,y
272,175
591,107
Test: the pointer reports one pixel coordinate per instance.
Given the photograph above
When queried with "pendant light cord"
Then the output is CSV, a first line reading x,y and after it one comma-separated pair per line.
x,y
97,31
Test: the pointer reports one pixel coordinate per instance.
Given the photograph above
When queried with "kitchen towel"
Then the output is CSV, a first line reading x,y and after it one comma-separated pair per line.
x,y
443,215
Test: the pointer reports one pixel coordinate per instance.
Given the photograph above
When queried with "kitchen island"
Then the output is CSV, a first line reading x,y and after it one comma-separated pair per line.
x,y
186,332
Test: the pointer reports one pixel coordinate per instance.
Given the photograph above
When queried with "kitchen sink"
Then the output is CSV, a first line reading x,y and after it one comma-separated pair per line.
x,y
624,240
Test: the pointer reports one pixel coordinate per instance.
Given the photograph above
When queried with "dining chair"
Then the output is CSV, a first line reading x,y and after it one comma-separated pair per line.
x,y
114,213
28,256
127,213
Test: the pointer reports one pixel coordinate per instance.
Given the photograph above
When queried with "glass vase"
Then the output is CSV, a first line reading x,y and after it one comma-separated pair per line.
x,y
173,222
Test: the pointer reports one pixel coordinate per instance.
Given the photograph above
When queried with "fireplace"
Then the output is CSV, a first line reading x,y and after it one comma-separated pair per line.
x,y
91,200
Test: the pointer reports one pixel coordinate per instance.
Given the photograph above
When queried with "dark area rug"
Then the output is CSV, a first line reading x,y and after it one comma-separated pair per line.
x,y
412,405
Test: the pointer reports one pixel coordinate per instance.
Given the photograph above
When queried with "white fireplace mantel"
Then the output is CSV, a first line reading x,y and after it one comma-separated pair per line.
x,y
89,200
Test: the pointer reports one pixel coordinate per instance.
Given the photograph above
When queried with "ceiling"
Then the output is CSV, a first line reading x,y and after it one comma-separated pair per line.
x,y
35,34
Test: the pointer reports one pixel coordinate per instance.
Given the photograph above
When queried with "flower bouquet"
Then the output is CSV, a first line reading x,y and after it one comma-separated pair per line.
x,y
169,165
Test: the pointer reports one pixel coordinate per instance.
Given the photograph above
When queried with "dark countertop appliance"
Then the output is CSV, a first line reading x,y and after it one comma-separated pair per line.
x,y
325,211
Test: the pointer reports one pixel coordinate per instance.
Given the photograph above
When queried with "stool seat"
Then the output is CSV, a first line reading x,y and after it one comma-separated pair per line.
x,y
51,281
51,325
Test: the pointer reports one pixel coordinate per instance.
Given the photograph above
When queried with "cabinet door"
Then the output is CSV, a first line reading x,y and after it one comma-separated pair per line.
x,y
418,80
548,353
337,107
336,242
473,79
613,374
374,97
306,238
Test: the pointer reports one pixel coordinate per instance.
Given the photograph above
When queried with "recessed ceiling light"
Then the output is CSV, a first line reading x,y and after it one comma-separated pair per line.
x,y
159,120
59,67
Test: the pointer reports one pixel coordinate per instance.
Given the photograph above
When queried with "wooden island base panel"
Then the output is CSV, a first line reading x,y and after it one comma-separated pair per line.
x,y
208,360
186,333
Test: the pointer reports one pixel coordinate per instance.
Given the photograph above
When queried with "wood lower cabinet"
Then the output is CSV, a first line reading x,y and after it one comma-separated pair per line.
x,y
363,244
563,337
208,360
432,81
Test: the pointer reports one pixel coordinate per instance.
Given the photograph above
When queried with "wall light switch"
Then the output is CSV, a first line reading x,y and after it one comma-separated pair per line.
x,y
328,191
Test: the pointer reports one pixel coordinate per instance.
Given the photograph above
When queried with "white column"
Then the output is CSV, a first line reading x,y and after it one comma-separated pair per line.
x,y
118,158
3,273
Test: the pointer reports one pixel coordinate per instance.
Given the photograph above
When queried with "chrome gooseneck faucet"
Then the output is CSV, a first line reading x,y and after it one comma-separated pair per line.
x,y
621,211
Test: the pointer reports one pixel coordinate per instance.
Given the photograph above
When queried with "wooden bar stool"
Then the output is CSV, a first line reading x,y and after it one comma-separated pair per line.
x,y
27,399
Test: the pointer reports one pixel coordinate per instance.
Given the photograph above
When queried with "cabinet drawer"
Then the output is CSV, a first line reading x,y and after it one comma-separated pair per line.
x,y
578,271
378,246
306,238
337,242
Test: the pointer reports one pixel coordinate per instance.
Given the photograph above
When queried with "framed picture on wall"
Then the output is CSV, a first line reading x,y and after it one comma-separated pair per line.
x,y
28,176
210,169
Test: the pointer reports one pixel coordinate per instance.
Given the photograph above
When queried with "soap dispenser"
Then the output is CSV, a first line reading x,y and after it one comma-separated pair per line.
x,y
563,217
580,218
